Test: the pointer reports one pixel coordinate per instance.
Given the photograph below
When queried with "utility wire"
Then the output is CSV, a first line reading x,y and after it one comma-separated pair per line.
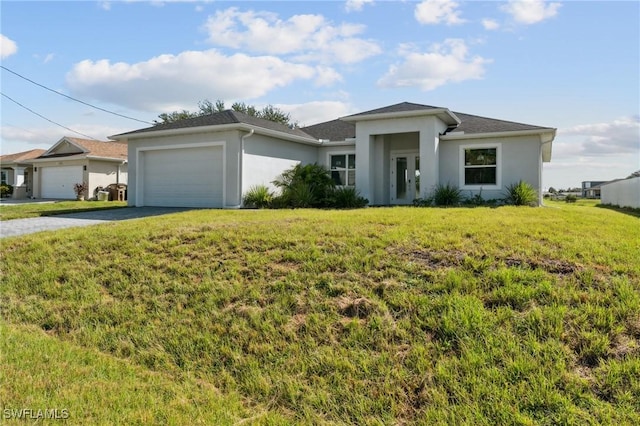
x,y
73,99
43,117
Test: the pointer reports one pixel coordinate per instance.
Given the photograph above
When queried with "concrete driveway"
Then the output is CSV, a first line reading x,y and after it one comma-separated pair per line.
x,y
11,228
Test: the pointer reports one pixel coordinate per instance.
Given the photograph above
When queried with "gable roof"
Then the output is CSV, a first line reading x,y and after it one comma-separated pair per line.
x,y
403,110
87,148
227,117
19,157
401,107
108,149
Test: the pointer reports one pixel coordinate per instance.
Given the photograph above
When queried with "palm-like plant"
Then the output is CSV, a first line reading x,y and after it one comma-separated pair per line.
x,y
308,185
521,194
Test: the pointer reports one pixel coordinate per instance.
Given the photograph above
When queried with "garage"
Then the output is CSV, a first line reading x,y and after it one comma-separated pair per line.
x,y
182,177
58,182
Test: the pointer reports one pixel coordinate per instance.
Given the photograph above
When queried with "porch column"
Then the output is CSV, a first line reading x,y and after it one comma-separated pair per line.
x,y
429,157
19,185
364,165
18,175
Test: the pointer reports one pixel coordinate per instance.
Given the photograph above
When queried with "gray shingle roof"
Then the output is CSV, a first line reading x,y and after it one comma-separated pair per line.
x,y
339,130
475,124
221,118
401,107
334,130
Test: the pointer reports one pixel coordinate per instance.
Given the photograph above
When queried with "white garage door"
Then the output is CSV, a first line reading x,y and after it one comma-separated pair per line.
x,y
57,182
183,177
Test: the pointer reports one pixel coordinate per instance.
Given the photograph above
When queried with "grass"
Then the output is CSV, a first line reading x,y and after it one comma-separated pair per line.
x,y
377,316
26,210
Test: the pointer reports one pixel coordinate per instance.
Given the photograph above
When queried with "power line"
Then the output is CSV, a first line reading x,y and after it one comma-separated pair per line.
x,y
72,98
45,118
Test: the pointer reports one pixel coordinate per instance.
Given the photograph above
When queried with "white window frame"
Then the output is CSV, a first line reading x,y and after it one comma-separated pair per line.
x,y
498,184
346,169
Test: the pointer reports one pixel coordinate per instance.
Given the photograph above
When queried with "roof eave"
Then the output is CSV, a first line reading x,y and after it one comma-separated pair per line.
x,y
215,128
462,135
444,114
111,159
63,158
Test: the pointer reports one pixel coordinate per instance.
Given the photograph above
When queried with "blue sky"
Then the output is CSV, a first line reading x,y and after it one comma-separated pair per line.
x,y
573,65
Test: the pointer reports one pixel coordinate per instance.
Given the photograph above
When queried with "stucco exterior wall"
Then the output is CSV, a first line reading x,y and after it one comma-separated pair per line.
x,y
231,140
103,173
623,193
265,158
520,158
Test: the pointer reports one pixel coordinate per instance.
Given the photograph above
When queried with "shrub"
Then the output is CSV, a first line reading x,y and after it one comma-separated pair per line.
x,y
570,198
301,195
6,190
447,195
347,198
475,200
258,196
308,185
423,202
521,194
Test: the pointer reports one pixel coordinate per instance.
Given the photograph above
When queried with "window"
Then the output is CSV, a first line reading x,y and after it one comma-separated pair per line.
x,y
3,177
480,166
343,169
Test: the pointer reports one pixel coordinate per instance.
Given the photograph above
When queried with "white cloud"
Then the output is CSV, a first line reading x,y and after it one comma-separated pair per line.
x,y
326,76
621,136
8,47
104,5
170,82
438,11
448,62
311,113
45,137
490,24
310,37
530,11
356,5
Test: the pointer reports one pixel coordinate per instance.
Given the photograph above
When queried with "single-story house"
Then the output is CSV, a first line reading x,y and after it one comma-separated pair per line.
x,y
391,155
17,171
591,188
72,160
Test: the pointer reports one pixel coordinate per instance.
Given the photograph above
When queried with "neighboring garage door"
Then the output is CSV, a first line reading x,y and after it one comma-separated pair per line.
x,y
183,177
57,182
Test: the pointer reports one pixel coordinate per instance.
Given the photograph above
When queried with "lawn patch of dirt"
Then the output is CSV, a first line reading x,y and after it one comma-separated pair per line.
x,y
437,259
359,307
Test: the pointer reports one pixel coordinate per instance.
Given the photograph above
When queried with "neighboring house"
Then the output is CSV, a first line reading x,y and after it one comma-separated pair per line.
x,y
72,160
17,171
622,192
591,188
392,155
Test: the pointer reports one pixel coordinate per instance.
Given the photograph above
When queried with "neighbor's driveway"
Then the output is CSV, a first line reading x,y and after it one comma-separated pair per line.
x,y
11,228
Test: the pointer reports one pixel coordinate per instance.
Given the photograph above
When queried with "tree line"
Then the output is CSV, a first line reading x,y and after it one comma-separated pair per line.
x,y
207,107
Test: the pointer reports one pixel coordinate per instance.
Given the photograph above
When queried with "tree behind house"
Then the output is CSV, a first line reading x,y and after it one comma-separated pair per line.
x,y
206,107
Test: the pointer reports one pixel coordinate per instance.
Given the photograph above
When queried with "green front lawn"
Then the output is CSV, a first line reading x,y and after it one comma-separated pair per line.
x,y
21,211
376,316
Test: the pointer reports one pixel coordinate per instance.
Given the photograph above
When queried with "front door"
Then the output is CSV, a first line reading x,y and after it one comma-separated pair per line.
x,y
405,177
